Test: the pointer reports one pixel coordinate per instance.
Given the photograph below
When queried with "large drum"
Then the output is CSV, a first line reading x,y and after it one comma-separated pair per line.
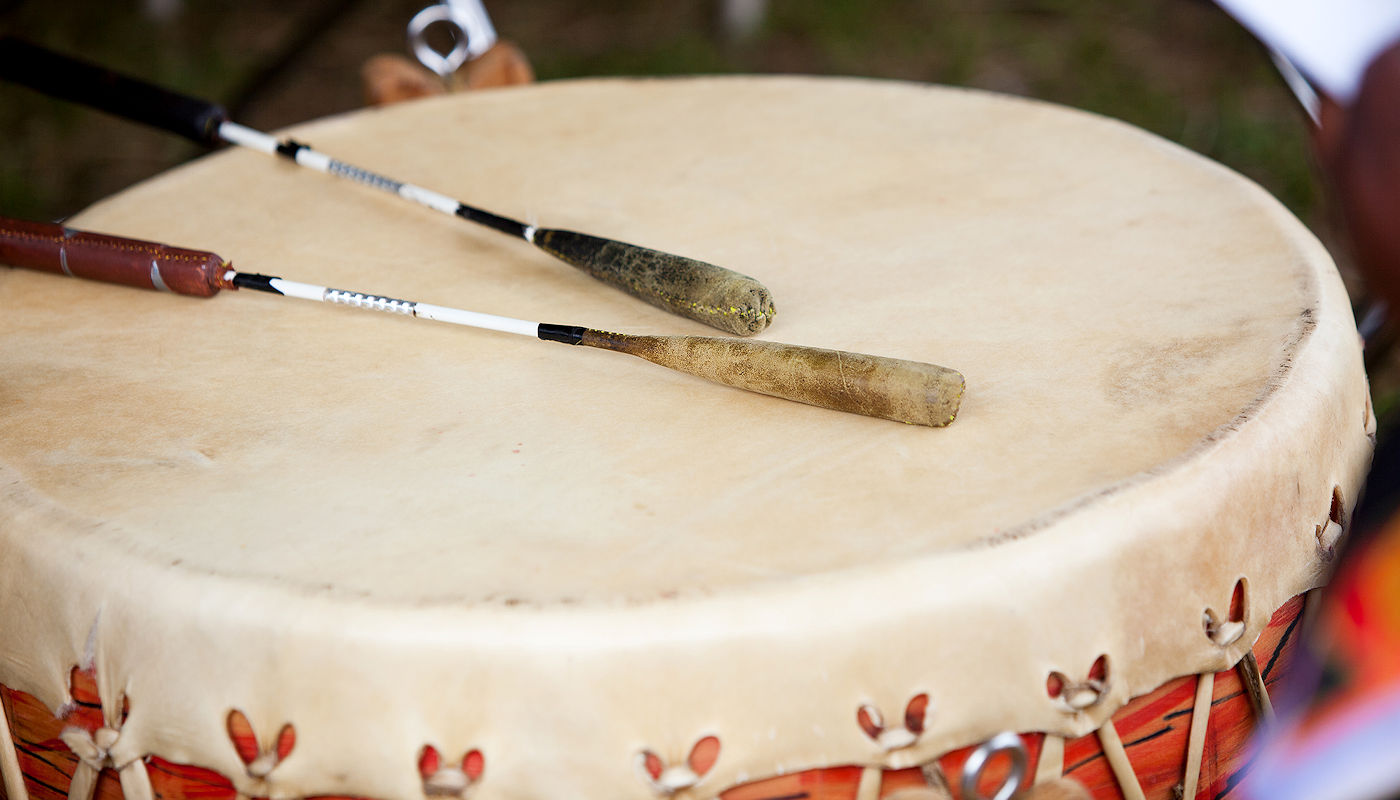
x,y
260,548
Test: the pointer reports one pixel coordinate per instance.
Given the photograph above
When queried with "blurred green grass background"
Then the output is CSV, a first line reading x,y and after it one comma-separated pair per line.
x,y
1179,68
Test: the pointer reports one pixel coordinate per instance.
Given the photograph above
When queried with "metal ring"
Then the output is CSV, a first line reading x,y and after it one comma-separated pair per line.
x,y
1005,742
444,64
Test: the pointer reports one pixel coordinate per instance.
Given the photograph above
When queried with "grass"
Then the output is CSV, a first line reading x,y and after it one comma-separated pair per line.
x,y
1178,68
1175,67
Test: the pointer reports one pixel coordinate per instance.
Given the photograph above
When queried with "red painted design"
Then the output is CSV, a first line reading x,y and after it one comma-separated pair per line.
x,y
1153,727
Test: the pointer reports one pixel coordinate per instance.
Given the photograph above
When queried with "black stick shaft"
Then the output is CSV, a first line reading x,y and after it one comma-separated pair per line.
x,y
906,391
874,386
70,79
718,297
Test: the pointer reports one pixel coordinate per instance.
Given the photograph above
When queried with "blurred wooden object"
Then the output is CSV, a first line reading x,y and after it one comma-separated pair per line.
x,y
502,65
390,78
742,19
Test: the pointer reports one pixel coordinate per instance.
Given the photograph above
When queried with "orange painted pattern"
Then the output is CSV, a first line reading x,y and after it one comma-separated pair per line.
x,y
1153,728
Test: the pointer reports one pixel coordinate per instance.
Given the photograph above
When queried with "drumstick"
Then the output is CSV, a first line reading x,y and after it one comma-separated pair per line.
x,y
889,388
716,296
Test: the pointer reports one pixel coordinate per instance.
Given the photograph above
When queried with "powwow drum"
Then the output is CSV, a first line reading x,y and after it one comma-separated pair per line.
x,y
253,548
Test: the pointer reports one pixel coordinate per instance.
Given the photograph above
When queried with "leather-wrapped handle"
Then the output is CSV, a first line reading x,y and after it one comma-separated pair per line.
x,y
889,388
131,262
68,78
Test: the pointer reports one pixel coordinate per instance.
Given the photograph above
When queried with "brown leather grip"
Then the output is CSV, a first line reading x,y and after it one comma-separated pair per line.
x,y
132,262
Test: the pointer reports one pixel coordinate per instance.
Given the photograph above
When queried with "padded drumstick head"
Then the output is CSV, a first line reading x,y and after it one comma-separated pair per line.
x,y
889,388
718,297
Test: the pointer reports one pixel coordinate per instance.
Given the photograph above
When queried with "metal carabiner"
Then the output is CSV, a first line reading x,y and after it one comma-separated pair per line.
x,y
1005,742
472,34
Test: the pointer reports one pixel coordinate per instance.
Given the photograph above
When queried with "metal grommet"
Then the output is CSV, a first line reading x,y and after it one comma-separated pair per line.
x,y
1005,742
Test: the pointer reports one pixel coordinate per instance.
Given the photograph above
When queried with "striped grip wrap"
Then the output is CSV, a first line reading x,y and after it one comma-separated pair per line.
x,y
354,173
370,302
292,150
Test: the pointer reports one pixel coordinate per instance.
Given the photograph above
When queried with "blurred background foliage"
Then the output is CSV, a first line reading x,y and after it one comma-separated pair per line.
x,y
1179,68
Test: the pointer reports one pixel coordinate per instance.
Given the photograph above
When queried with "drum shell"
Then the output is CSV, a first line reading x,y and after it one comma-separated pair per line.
x,y
1153,727
1239,497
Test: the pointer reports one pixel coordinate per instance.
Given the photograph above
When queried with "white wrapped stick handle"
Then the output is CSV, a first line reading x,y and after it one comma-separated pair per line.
x,y
889,388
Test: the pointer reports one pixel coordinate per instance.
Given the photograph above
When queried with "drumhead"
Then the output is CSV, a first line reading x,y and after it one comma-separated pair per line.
x,y
563,557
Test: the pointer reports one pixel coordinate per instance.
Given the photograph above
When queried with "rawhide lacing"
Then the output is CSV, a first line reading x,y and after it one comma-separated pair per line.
x,y
669,780
1075,696
1369,421
1255,688
1118,762
894,738
1227,631
98,745
258,761
936,780
449,780
11,777
1050,764
1196,740
872,780
95,749
1329,532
